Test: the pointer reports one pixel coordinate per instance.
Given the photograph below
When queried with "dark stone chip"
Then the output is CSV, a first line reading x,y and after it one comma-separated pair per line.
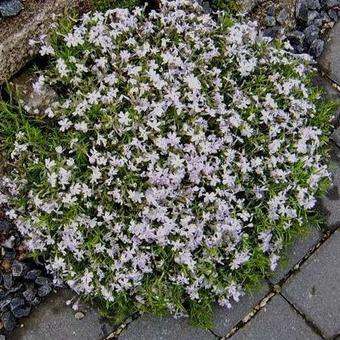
x,y
41,281
312,16
44,290
8,280
4,304
9,321
17,302
29,294
5,226
302,10
313,4
36,301
311,33
270,21
10,8
10,254
32,274
331,3
316,48
19,268
20,312
333,14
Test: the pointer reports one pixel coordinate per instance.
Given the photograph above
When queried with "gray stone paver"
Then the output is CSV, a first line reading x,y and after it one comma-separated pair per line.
x,y
53,320
315,290
226,319
276,321
148,327
330,61
330,204
295,253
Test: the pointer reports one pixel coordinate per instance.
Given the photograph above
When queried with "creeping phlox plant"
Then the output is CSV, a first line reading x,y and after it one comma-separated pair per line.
x,y
181,155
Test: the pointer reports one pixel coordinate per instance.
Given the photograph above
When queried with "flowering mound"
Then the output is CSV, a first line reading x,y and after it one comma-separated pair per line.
x,y
180,156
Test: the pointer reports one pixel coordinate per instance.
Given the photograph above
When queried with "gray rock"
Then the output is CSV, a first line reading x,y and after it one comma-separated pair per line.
x,y
315,290
330,61
54,320
32,274
41,281
318,22
276,321
270,21
312,15
10,8
332,3
313,4
9,321
18,268
21,312
29,294
17,302
8,280
226,319
295,253
282,16
325,17
44,290
301,10
317,47
154,328
4,304
311,33
333,14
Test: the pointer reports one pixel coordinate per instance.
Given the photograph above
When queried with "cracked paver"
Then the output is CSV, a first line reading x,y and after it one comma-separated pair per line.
x,y
277,320
315,290
148,327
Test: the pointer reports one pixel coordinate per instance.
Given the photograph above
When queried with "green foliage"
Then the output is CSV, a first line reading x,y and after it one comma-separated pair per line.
x,y
103,5
230,6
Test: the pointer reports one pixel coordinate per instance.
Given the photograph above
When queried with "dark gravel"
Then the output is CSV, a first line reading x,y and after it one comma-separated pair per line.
x,y
313,18
22,281
9,8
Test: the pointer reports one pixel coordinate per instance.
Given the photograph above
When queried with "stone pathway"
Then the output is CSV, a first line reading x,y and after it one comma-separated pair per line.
x,y
299,301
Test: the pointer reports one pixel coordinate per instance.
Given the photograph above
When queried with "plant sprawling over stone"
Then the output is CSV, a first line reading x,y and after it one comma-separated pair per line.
x,y
181,154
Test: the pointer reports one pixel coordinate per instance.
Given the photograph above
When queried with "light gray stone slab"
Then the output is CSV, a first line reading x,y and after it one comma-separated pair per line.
x,y
226,319
330,61
276,321
330,204
315,290
148,327
15,33
295,253
53,320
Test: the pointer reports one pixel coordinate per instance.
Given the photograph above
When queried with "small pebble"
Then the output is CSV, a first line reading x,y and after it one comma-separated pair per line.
x,y
9,321
270,21
44,290
317,47
21,312
79,315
